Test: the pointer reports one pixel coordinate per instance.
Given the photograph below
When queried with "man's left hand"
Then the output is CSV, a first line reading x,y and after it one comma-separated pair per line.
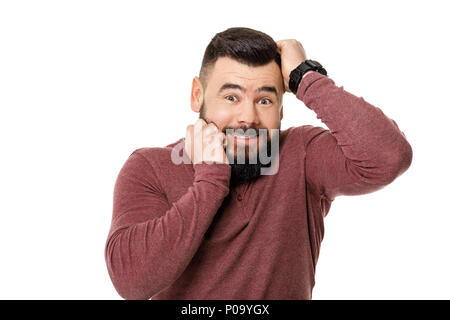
x,y
292,54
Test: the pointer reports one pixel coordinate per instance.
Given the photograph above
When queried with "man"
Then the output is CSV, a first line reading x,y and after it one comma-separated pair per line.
x,y
217,228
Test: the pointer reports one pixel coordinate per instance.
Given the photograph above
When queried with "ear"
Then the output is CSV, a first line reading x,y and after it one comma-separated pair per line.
x,y
196,95
281,113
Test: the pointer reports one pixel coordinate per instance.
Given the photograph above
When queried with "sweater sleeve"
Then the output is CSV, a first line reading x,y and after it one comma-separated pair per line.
x,y
362,151
150,242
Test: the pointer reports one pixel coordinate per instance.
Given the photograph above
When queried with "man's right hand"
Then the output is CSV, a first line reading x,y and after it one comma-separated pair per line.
x,y
205,142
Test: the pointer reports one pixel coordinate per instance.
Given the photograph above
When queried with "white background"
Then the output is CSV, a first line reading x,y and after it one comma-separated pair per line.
x,y
84,83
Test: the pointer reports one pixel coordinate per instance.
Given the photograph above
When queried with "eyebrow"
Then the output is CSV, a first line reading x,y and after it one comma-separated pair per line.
x,y
236,86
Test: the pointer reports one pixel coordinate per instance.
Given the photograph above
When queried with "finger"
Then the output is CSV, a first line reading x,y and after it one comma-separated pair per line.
x,y
221,139
278,46
198,128
187,142
201,122
212,123
224,139
211,128
188,132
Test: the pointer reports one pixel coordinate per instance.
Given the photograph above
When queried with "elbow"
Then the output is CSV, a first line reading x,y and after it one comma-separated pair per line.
x,y
128,283
398,162
403,159
129,291
139,272
393,165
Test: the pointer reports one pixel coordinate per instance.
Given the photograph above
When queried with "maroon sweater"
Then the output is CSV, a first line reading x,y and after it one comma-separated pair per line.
x,y
180,231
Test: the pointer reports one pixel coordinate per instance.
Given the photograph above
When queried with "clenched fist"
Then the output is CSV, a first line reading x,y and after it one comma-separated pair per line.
x,y
204,142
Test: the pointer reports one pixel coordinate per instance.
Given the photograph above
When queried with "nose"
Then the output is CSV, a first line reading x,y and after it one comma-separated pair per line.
x,y
248,115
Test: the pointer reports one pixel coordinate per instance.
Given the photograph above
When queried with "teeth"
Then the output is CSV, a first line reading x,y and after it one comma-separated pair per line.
x,y
244,137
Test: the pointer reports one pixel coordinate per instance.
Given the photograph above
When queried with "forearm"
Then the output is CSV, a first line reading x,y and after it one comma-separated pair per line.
x,y
144,258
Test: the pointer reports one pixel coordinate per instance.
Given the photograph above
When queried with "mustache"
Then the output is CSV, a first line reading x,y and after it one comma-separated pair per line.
x,y
243,128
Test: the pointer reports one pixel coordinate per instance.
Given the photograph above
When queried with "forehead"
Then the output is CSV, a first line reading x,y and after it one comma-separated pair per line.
x,y
227,70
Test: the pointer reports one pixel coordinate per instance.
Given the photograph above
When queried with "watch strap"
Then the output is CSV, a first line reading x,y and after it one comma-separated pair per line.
x,y
296,75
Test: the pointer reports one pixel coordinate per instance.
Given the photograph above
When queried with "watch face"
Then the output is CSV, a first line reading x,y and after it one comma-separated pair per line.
x,y
313,64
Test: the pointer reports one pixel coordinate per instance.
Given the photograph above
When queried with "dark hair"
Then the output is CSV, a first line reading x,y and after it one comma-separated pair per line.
x,y
248,46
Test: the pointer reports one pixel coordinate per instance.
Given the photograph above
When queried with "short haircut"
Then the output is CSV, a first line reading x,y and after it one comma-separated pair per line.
x,y
248,46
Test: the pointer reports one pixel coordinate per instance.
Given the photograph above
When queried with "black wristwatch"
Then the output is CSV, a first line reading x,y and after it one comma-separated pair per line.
x,y
296,75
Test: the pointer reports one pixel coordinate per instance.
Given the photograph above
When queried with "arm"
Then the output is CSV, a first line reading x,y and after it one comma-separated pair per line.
x,y
362,151
150,242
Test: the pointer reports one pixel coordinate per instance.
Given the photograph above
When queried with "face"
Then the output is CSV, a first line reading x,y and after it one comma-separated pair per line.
x,y
241,97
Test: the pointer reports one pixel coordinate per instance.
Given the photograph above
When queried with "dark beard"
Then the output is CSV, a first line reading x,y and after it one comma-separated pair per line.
x,y
245,172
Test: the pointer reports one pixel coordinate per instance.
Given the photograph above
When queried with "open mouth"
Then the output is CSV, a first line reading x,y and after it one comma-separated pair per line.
x,y
243,138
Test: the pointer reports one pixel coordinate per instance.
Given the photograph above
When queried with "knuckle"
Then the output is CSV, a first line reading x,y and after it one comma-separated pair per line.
x,y
212,125
209,130
197,124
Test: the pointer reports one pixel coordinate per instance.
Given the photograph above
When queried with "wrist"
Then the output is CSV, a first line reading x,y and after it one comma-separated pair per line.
x,y
306,73
302,70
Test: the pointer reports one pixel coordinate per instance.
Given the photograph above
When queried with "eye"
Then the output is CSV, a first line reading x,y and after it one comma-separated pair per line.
x,y
265,99
231,99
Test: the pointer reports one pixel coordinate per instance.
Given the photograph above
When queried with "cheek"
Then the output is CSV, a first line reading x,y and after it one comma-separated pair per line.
x,y
221,112
270,119
221,115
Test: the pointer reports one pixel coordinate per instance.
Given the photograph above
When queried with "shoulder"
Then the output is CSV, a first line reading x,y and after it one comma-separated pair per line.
x,y
150,165
157,156
303,134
